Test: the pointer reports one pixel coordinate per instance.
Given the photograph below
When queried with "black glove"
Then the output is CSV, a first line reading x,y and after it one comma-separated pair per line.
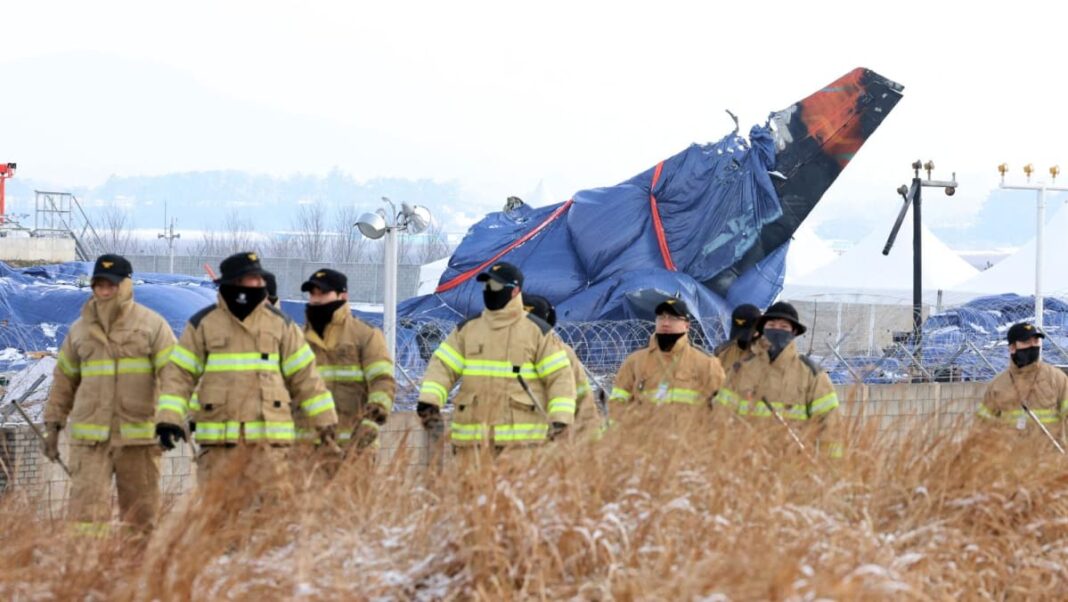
x,y
557,429
167,433
430,414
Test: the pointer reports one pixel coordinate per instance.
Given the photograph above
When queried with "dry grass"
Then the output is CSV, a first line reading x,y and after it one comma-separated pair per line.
x,y
661,509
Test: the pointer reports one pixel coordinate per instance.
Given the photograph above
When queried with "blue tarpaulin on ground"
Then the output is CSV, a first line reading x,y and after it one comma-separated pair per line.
x,y
38,304
607,254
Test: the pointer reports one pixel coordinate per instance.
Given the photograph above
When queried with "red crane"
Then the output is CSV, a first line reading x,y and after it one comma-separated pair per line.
x,y
6,171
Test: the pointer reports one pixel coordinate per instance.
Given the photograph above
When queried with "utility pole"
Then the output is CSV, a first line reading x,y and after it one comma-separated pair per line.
x,y
170,235
912,195
1040,221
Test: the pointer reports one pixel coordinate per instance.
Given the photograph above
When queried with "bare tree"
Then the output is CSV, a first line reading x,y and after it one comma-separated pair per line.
x,y
238,234
348,246
311,238
434,245
115,228
279,245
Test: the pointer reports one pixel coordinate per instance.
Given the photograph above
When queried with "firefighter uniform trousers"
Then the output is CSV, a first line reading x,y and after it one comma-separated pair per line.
x,y
104,384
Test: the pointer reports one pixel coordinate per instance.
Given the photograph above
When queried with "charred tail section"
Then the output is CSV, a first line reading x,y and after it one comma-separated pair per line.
x,y
815,139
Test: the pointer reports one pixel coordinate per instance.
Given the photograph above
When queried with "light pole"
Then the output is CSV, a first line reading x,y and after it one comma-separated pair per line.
x,y
169,235
411,219
1040,220
912,195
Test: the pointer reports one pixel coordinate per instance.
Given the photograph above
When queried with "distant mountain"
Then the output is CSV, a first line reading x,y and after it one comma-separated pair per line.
x,y
202,200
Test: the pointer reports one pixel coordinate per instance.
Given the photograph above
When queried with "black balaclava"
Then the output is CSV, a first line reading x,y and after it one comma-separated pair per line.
x,y
241,300
778,340
1026,357
320,315
495,300
666,342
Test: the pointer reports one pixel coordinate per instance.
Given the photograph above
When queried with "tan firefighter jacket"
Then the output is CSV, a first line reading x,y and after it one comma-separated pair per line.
x,y
686,376
252,377
729,354
491,405
106,382
355,365
793,385
1044,388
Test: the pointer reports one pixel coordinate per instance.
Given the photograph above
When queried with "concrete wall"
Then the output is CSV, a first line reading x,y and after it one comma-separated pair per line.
x,y
36,249
365,280
864,328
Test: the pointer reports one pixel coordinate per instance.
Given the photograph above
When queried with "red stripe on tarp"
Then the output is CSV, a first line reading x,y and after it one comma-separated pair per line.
x,y
658,226
457,281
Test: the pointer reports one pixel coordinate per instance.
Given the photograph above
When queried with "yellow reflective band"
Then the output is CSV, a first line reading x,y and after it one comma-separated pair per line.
x,y
450,357
242,362
760,409
501,433
520,432
342,373
137,430
582,389
835,449
183,358
161,358
467,432
551,364
985,412
173,403
687,396
317,405
230,431
561,405
89,432
378,369
194,402
298,361
71,369
381,398
135,365
90,529
371,424
728,398
620,394
433,388
1044,415
99,368
824,404
498,369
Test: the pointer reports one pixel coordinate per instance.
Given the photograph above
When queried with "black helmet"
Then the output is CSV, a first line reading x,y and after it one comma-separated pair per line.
x,y
781,311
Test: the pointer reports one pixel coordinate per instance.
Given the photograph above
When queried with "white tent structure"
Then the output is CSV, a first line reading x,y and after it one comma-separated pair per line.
x,y
430,274
807,254
1016,273
541,196
864,274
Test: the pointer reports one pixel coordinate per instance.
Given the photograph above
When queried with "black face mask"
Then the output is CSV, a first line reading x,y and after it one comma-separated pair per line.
x,y
778,339
666,342
241,300
320,315
1026,357
495,300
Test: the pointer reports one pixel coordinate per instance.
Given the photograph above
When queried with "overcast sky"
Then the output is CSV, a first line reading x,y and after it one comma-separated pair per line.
x,y
500,95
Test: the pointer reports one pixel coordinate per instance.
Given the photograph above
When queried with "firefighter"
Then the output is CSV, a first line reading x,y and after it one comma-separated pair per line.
x,y
517,388
587,413
669,371
105,382
352,359
775,380
253,369
1027,381
743,321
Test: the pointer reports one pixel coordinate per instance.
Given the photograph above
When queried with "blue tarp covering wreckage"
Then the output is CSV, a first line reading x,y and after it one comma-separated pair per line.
x,y
711,224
